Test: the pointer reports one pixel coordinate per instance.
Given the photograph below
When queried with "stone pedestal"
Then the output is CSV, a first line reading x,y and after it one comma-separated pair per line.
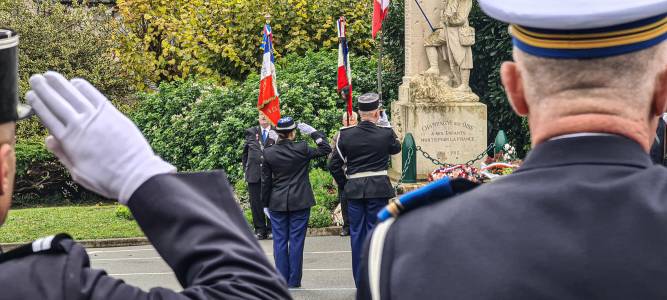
x,y
450,125
445,118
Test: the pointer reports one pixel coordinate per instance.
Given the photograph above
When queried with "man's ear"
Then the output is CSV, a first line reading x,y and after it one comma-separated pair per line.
x,y
513,83
660,94
5,159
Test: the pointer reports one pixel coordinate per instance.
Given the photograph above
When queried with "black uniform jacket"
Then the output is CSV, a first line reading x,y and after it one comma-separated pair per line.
x,y
583,218
365,147
194,223
285,182
253,154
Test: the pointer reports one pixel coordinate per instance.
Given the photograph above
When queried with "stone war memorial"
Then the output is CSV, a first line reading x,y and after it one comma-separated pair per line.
x,y
436,104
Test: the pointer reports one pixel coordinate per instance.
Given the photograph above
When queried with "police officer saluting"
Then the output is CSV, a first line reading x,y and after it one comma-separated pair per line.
x,y
585,217
288,195
365,149
191,219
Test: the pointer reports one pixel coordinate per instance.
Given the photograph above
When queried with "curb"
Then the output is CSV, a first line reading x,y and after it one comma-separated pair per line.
x,y
142,241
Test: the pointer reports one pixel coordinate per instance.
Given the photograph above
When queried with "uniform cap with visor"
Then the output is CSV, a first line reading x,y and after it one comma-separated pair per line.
x,y
581,29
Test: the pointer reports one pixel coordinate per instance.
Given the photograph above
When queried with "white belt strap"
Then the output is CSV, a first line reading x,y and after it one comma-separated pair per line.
x,y
375,257
367,174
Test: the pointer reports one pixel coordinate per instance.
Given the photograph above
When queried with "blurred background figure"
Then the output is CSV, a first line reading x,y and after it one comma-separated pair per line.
x,y
348,121
256,139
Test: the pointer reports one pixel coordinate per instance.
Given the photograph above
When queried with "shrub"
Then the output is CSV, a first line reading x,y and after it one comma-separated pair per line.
x,y
494,46
166,40
197,125
324,189
123,212
247,213
42,180
74,40
320,217
241,192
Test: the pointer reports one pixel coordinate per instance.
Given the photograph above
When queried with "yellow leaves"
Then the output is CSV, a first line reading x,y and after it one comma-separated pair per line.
x,y
221,38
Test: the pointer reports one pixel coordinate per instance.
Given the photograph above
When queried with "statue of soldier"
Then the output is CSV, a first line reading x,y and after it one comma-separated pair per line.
x,y
454,40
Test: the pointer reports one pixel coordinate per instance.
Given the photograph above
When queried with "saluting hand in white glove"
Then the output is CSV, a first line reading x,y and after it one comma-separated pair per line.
x,y
384,120
305,128
273,135
103,150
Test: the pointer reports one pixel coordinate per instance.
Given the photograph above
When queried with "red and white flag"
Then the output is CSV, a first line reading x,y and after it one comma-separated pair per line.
x,y
344,70
380,10
268,102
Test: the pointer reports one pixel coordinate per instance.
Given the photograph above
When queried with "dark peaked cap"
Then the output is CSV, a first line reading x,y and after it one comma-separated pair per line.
x,y
368,102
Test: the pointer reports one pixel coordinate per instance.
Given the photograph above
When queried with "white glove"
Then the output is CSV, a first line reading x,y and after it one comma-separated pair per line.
x,y
273,135
384,120
266,212
103,150
305,128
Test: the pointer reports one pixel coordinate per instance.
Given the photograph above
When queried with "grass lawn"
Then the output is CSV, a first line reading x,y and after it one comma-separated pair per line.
x,y
81,222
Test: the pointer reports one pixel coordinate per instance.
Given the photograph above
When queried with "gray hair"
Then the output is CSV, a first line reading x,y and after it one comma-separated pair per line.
x,y
627,79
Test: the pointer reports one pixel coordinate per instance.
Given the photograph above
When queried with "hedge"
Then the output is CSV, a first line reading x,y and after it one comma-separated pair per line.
x,y
197,125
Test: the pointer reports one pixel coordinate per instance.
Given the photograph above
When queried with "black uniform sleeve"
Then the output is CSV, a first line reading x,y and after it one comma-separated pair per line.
x,y
323,148
195,224
267,183
336,164
246,146
388,254
395,144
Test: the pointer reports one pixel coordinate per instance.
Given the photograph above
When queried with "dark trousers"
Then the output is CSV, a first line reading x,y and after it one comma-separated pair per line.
x,y
363,215
343,207
289,234
259,219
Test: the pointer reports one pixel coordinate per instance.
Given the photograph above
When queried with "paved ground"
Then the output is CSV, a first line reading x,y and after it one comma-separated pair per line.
x,y
327,267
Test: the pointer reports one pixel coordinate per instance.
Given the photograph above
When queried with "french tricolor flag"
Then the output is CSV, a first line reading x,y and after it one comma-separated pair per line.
x,y
344,70
268,101
380,10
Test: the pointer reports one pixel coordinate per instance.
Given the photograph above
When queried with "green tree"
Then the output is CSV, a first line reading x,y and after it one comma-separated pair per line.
x,y
220,39
493,46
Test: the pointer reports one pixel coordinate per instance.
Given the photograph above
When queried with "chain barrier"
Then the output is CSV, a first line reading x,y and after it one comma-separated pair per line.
x,y
481,155
407,163
436,162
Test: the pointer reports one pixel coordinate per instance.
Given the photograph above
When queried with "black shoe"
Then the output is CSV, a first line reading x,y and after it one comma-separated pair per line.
x,y
269,236
260,236
345,231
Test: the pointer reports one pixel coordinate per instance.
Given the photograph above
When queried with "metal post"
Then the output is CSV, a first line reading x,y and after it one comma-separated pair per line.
x,y
409,159
499,143
380,65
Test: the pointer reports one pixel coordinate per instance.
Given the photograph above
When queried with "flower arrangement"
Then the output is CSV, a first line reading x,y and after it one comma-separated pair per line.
x,y
503,163
456,171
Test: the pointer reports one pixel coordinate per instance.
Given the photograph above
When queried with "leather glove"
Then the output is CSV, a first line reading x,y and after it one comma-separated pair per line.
x,y
103,150
305,128
273,135
384,120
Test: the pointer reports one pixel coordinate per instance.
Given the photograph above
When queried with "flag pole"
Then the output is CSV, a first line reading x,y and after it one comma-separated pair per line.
x,y
379,71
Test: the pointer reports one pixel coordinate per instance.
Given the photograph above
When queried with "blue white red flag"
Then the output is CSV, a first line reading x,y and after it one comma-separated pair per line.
x,y
380,10
344,70
268,102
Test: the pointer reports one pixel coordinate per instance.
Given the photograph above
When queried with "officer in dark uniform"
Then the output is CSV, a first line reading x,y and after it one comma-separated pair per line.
x,y
256,139
658,149
585,216
365,149
191,219
288,194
